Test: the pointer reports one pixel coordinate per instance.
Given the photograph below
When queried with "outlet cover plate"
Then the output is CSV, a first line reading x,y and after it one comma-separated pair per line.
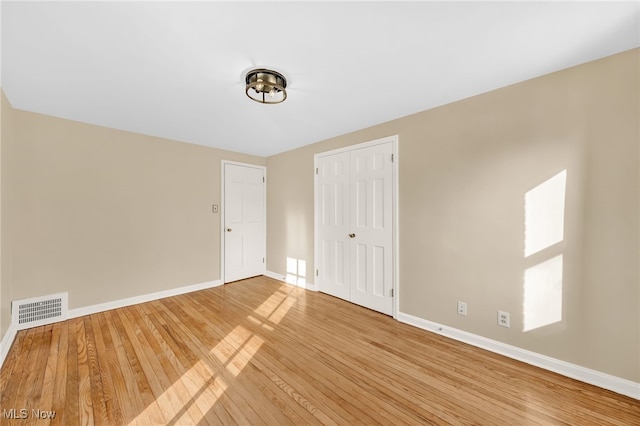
x,y
504,319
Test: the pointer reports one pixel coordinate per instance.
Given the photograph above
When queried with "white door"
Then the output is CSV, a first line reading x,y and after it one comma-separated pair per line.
x,y
244,221
355,225
333,222
372,228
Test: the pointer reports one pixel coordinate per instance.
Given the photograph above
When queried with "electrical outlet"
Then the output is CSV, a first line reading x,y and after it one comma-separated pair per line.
x,y
462,308
504,319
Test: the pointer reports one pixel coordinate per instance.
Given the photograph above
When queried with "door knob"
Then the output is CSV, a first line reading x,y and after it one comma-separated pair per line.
x,y
352,235
228,229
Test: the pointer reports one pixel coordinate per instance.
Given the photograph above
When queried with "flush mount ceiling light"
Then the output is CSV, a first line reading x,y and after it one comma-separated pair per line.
x,y
266,86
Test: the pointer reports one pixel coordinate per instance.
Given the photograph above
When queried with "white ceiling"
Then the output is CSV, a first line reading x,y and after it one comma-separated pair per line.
x,y
176,69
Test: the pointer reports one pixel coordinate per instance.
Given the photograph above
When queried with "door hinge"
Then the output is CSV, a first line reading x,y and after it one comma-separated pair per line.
x,y
262,179
263,260
316,170
391,292
316,272
392,158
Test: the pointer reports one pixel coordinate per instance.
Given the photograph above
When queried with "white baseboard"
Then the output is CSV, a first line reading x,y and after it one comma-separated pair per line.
x,y
101,307
279,277
10,335
7,341
603,380
593,377
298,282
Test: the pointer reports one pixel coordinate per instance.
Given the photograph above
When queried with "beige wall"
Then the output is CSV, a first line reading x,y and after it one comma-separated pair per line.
x,y
464,171
106,214
6,142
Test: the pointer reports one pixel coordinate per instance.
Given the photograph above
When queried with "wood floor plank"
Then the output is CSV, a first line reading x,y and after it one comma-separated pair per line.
x,y
175,370
15,361
241,408
120,379
86,394
18,350
260,352
242,346
197,377
340,388
60,384
344,379
96,375
141,402
71,413
49,379
384,382
229,410
23,390
106,357
35,379
321,374
166,401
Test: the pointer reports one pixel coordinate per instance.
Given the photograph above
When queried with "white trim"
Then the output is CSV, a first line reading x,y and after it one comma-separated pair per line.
x,y
395,251
593,377
7,341
349,148
222,211
275,276
10,335
292,281
101,307
316,254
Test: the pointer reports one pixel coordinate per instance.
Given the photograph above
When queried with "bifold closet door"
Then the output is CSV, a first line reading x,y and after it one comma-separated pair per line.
x,y
333,222
355,226
371,243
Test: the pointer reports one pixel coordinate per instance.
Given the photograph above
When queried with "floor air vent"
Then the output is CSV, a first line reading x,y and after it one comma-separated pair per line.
x,y
37,311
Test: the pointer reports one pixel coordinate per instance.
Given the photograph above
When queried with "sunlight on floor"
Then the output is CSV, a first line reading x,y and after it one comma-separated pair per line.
x,y
275,307
235,352
179,394
282,310
260,323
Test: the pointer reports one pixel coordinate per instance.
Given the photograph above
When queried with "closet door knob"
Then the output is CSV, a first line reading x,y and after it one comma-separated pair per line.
x,y
228,229
352,235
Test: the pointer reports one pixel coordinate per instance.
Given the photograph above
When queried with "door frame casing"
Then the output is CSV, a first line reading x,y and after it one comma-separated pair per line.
x,y
223,211
393,139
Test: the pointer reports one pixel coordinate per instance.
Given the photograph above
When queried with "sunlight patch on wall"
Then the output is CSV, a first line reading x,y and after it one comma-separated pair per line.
x,y
543,294
544,228
544,214
296,271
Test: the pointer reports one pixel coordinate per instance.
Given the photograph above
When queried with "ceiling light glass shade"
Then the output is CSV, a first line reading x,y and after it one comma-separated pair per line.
x,y
266,86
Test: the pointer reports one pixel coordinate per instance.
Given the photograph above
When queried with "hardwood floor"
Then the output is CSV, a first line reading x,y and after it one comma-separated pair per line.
x,y
262,352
